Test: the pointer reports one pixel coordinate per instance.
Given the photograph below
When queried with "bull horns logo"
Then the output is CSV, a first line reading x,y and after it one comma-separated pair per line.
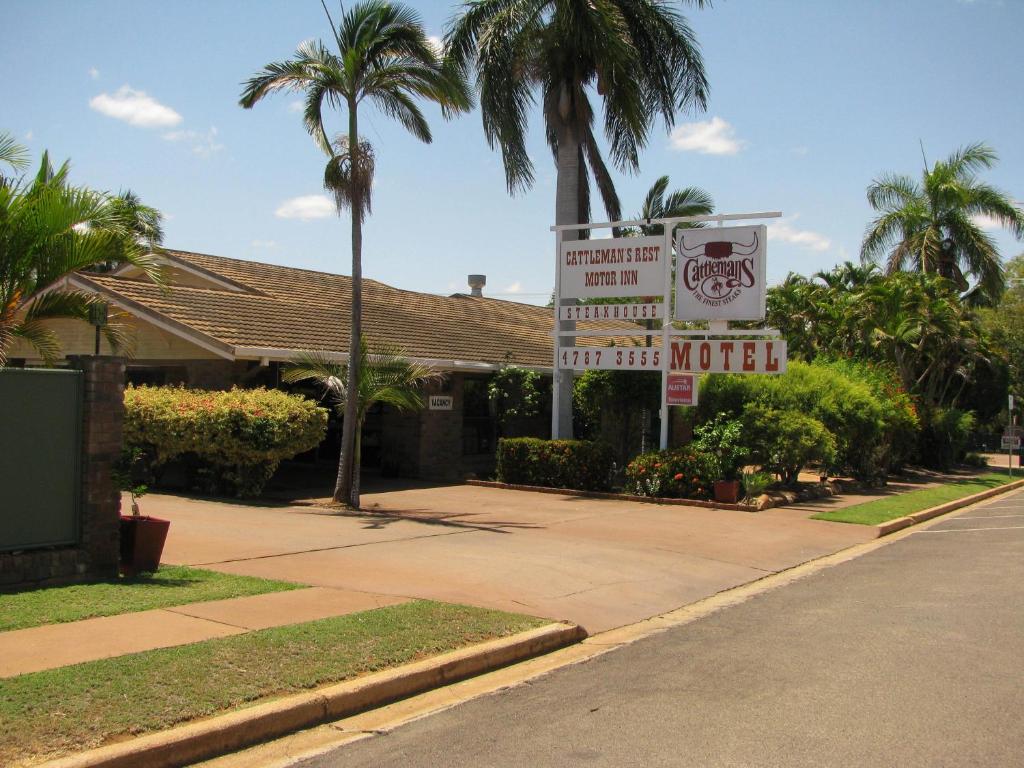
x,y
718,249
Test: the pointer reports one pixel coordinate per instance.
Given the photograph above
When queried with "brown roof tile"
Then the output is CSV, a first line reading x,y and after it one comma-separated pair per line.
x,y
294,309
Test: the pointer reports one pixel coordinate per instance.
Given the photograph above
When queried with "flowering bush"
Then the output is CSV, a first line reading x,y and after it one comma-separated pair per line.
x,y
677,473
232,441
577,464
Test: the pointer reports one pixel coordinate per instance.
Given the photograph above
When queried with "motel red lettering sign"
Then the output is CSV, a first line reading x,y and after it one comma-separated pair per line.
x,y
685,355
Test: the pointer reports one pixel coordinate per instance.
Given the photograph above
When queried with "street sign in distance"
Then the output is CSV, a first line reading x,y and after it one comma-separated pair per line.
x,y
1011,443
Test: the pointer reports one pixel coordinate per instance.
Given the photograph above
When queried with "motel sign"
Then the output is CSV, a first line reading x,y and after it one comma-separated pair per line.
x,y
719,276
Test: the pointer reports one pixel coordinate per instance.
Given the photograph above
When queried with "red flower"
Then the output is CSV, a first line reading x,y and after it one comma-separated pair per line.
x,y
679,476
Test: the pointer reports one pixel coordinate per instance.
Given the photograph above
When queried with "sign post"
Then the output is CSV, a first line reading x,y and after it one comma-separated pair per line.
x,y
719,276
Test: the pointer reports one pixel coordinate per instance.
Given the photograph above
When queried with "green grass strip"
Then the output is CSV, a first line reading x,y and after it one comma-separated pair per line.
x,y
901,505
46,714
171,585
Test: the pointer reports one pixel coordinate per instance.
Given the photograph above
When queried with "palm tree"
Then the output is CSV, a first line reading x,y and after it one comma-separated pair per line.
x,y
385,376
640,56
384,57
931,226
688,201
50,229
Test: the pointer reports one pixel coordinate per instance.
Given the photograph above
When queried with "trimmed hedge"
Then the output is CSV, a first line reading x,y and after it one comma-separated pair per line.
x,y
231,442
676,473
576,464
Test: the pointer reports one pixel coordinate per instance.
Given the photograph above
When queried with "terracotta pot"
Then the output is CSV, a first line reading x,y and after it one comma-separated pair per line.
x,y
142,543
727,491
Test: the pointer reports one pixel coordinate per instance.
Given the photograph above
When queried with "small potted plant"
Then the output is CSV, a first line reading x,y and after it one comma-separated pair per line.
x,y
722,437
142,537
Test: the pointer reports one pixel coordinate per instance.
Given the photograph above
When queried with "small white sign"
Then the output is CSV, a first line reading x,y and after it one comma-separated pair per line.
x,y
720,273
1011,443
441,402
728,356
632,312
622,266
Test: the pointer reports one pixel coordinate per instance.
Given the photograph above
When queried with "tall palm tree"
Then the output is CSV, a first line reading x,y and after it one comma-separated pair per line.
x,y
50,229
385,376
640,56
383,57
931,226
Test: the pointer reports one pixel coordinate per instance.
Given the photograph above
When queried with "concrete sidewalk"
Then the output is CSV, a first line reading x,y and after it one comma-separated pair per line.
x,y
598,563
58,645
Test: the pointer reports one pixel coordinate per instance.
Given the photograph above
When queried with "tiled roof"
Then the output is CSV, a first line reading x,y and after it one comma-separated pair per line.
x,y
288,308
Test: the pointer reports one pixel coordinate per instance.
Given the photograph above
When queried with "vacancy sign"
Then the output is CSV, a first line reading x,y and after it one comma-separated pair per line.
x,y
720,273
622,266
681,389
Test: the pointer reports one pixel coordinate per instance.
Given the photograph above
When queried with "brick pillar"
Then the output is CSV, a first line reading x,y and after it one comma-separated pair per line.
x,y
440,448
102,421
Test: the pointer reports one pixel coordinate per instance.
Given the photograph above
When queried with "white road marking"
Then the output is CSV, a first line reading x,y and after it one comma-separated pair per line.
x,y
984,517
967,530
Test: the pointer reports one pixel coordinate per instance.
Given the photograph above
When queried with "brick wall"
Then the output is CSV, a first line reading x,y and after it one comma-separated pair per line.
x,y
96,556
440,444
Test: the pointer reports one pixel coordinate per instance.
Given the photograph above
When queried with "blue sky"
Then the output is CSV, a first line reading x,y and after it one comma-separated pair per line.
x,y
809,101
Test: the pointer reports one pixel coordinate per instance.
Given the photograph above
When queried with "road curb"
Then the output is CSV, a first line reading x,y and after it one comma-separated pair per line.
x,y
227,733
884,529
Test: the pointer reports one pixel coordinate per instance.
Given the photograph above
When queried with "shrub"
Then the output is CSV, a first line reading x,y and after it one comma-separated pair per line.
x,y
836,397
231,441
975,460
577,464
725,440
678,473
615,407
756,483
784,441
945,433
515,393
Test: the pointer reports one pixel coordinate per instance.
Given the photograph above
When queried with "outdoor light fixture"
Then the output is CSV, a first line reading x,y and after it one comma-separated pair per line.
x,y
98,314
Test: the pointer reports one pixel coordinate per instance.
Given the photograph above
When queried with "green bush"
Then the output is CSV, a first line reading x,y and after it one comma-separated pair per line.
x,y
845,402
231,441
577,464
945,433
725,440
676,473
784,440
756,483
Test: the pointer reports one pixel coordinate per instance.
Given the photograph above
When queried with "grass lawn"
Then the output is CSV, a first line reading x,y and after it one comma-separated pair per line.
x,y
171,585
882,510
46,714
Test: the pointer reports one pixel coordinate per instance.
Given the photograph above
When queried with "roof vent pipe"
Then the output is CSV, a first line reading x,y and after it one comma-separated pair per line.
x,y
476,285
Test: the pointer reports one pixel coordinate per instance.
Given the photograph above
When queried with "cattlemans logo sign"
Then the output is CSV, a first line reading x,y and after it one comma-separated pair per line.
x,y
622,266
720,273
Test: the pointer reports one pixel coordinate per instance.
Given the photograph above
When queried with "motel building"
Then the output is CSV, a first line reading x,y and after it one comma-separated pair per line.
x,y
228,322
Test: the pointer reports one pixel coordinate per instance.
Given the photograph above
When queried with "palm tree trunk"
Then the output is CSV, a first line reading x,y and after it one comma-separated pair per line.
x,y
347,490
567,194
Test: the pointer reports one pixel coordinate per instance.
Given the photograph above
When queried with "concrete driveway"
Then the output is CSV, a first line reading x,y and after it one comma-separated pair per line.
x,y
599,563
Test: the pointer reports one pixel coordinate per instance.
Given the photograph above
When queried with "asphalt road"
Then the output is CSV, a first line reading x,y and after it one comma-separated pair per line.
x,y
910,655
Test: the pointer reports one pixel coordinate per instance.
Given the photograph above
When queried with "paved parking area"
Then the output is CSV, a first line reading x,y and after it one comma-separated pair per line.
x,y
600,563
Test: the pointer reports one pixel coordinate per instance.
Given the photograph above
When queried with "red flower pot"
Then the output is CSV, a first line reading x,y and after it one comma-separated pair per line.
x,y
142,543
727,491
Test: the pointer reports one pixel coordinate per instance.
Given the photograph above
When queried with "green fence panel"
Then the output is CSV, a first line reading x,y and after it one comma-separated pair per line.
x,y
40,453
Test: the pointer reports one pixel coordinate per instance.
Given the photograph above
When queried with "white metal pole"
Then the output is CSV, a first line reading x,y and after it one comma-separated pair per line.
x,y
556,371
666,314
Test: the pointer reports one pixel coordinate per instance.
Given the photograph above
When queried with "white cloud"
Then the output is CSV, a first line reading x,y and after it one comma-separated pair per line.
x,y
805,238
986,222
296,106
306,207
264,244
135,108
709,137
436,44
29,135
203,143
516,287
799,151
94,73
